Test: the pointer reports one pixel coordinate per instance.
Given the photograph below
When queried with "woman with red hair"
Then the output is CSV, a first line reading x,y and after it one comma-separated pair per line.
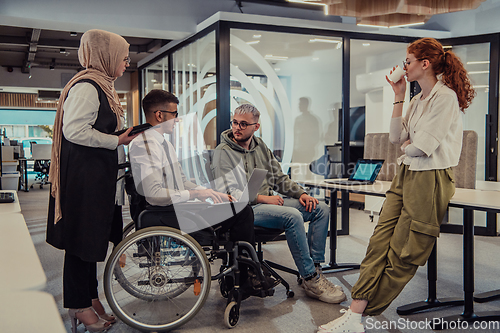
x,y
430,135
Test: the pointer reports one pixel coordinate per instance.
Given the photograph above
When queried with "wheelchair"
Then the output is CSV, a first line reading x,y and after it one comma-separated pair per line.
x,y
158,278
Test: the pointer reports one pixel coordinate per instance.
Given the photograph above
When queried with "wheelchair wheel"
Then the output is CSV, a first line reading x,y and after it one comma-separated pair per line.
x,y
157,279
128,230
232,314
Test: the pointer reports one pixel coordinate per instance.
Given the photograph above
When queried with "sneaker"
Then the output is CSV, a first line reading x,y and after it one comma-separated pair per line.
x,y
320,288
319,271
344,324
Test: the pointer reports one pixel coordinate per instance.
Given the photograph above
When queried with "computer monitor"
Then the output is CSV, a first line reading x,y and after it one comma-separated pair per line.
x,y
356,122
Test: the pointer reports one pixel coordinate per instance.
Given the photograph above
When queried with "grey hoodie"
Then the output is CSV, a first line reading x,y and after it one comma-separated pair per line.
x,y
232,165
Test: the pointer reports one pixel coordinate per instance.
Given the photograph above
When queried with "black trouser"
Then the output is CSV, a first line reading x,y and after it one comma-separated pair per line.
x,y
240,226
79,282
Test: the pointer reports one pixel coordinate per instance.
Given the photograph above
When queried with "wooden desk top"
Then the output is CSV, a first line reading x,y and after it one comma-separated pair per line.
x,y
29,311
9,208
21,267
484,200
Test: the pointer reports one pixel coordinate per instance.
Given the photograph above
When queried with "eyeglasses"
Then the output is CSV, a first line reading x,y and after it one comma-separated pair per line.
x,y
407,63
175,113
127,60
243,125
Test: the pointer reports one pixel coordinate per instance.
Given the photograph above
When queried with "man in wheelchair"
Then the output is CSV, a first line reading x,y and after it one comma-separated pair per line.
x,y
160,179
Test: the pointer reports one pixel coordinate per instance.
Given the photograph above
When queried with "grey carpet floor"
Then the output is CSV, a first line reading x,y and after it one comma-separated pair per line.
x,y
301,313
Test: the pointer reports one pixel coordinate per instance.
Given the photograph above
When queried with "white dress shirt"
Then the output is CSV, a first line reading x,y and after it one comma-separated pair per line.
x,y
161,182
81,109
434,126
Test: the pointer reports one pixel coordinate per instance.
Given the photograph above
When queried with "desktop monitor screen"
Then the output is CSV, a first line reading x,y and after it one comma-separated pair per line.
x,y
357,124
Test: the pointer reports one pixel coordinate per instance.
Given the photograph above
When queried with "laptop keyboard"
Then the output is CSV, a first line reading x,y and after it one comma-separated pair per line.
x,y
349,182
6,197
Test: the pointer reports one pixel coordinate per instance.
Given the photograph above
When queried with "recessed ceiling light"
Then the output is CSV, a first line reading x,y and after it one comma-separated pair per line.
x,y
406,25
479,72
371,25
253,42
324,40
273,57
257,36
478,62
366,44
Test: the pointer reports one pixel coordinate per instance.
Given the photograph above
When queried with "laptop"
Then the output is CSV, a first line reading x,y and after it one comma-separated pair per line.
x,y
251,188
365,172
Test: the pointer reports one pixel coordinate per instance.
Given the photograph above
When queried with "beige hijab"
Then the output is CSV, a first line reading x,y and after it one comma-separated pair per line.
x,y
101,53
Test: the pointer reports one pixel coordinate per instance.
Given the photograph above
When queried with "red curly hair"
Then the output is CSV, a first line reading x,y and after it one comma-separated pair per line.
x,y
449,65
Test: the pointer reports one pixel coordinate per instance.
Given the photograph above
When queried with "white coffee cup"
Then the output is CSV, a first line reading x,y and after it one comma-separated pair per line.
x,y
396,74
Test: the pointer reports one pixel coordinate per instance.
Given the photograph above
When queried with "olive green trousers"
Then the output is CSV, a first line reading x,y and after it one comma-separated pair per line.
x,y
403,239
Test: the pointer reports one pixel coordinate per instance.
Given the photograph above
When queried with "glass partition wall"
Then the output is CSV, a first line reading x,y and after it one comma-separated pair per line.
x,y
295,80
301,80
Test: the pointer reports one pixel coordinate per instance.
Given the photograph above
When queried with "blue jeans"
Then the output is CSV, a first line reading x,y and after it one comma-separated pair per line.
x,y
306,250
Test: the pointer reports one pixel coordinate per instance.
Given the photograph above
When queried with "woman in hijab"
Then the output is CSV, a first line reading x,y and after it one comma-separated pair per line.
x,y
83,173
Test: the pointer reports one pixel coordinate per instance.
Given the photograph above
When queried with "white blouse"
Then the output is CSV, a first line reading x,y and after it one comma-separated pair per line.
x,y
80,113
434,126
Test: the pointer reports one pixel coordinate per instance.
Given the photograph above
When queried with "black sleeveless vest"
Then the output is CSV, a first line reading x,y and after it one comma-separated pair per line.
x,y
88,186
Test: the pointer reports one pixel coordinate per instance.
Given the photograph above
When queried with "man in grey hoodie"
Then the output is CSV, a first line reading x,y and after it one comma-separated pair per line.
x,y
234,160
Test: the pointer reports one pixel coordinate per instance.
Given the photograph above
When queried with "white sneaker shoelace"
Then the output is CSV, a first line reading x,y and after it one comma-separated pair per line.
x,y
325,284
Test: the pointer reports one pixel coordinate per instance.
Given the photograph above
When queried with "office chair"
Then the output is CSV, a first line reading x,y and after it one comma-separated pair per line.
x,y
262,236
40,153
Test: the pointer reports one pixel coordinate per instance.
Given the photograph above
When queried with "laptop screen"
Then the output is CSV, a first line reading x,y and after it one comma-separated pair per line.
x,y
366,170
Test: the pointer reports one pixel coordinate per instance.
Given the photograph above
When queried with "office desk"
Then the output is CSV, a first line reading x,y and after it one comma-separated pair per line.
x,y
11,207
29,311
21,267
467,199
377,189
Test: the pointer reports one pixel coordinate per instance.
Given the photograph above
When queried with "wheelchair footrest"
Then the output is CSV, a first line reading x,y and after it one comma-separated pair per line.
x,y
264,293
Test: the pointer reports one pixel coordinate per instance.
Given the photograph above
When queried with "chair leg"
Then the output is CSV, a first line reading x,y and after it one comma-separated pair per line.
x,y
283,268
289,292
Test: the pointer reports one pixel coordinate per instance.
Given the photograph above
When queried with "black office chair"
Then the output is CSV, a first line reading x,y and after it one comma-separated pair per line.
x,y
262,236
42,168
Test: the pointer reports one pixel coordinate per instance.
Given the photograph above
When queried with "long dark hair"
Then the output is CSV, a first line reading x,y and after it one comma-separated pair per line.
x,y
447,63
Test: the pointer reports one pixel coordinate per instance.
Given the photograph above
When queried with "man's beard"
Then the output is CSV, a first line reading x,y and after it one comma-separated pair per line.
x,y
242,139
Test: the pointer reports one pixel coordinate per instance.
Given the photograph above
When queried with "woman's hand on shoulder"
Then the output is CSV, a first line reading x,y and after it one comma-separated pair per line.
x,y
125,139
